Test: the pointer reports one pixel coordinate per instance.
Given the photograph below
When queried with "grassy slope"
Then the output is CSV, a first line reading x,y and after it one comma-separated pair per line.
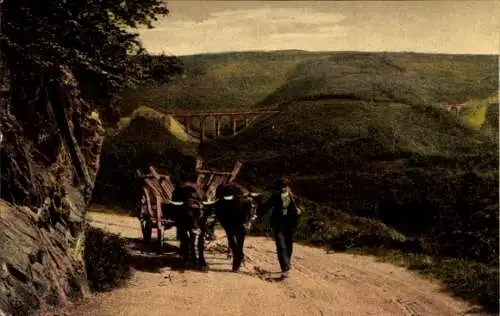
x,y
357,143
171,125
220,80
144,140
407,78
247,79
491,123
482,114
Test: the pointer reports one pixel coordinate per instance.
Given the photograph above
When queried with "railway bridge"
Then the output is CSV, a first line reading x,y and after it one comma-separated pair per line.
x,y
186,117
454,106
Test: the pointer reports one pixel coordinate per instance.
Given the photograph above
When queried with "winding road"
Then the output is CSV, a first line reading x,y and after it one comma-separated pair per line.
x,y
321,284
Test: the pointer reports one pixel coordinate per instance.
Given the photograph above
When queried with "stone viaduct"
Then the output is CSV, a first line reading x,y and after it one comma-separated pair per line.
x,y
454,106
186,117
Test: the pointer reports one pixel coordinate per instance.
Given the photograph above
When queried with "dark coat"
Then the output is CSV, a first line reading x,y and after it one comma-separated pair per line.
x,y
229,212
275,204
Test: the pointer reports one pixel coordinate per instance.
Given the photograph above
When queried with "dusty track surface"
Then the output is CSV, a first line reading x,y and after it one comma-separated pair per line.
x,y
320,284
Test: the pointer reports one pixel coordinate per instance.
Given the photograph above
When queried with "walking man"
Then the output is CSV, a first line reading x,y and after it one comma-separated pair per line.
x,y
283,220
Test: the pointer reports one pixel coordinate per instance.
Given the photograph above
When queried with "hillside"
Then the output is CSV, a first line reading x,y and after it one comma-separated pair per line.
x,y
170,124
413,167
334,141
263,78
219,80
149,138
407,78
482,114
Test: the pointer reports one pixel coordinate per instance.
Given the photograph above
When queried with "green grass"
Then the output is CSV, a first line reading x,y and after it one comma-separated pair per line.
x,y
263,78
170,124
472,281
333,130
482,114
474,111
390,77
490,127
215,81
106,262
145,140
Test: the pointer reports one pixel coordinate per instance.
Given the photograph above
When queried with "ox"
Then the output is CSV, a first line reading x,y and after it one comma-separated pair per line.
x,y
235,208
186,211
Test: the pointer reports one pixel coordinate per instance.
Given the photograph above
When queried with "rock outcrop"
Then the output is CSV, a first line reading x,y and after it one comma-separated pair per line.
x,y
50,147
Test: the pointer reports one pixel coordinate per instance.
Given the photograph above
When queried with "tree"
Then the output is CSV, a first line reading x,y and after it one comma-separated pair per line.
x,y
92,38
157,69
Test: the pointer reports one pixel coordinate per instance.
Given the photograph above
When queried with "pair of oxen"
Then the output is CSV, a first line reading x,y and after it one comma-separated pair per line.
x,y
234,207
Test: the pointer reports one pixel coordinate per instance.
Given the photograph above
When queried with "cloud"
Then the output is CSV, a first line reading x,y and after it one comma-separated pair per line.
x,y
276,28
434,26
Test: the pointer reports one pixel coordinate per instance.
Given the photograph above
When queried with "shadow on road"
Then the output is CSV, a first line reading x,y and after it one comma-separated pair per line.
x,y
145,256
229,271
268,276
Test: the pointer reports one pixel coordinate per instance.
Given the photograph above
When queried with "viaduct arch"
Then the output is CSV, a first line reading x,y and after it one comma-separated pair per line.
x,y
186,118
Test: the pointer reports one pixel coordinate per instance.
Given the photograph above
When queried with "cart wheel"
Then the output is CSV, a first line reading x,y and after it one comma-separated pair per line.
x,y
146,229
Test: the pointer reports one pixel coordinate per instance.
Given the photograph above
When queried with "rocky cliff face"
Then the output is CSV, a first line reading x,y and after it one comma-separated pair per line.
x,y
51,141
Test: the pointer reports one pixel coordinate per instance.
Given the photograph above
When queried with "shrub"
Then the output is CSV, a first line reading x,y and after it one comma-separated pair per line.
x,y
472,281
105,260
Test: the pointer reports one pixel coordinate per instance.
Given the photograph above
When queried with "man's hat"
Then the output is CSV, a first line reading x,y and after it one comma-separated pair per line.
x,y
283,182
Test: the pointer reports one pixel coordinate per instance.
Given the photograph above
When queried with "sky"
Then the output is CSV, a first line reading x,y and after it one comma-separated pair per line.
x,y
192,27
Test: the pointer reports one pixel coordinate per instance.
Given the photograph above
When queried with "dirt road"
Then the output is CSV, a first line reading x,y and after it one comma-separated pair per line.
x,y
321,284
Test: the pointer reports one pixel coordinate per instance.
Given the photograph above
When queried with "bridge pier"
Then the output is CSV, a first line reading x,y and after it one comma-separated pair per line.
x,y
233,121
187,123
202,123
217,126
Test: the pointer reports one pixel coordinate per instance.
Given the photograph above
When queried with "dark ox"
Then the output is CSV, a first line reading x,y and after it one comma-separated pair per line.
x,y
186,212
235,208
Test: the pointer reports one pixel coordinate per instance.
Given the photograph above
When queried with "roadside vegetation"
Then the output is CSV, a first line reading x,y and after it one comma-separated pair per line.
x,y
246,79
105,257
142,142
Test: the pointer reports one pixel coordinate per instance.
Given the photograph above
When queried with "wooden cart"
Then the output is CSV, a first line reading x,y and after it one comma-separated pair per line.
x,y
158,189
